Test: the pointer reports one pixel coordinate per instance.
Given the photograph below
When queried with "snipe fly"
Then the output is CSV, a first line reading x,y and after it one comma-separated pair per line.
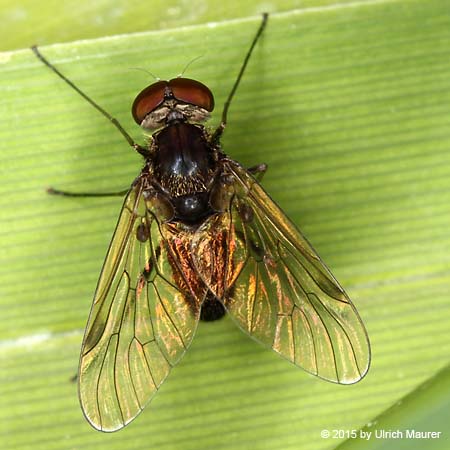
x,y
197,237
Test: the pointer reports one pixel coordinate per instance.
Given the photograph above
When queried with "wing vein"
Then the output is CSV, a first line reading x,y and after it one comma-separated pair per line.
x,y
330,341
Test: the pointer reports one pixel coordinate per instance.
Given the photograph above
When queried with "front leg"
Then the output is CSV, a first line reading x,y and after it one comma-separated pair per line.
x,y
258,171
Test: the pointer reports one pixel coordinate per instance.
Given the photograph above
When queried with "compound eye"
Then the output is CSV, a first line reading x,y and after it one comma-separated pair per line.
x,y
148,100
192,92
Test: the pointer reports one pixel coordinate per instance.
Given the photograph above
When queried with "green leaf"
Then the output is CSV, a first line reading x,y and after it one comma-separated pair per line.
x,y
350,108
28,22
418,420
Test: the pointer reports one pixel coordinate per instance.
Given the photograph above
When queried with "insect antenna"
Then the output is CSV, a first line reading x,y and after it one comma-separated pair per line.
x,y
186,67
147,72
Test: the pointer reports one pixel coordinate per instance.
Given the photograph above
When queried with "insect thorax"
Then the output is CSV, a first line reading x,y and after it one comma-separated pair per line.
x,y
184,163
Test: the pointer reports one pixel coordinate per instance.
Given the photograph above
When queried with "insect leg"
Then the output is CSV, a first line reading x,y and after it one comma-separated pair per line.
x,y
223,123
53,191
258,171
112,119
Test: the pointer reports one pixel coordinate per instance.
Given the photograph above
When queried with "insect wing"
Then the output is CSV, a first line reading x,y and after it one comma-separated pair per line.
x,y
279,291
140,323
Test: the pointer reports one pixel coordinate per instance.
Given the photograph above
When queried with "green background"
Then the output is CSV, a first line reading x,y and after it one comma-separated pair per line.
x,y
347,102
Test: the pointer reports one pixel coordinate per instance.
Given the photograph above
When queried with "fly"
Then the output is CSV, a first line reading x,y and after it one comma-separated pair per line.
x,y
198,237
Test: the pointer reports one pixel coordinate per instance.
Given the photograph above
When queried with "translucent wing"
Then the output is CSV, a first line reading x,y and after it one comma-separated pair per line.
x,y
142,319
276,287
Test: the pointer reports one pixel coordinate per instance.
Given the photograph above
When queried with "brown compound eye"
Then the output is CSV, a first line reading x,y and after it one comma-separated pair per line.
x,y
148,100
183,89
193,92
